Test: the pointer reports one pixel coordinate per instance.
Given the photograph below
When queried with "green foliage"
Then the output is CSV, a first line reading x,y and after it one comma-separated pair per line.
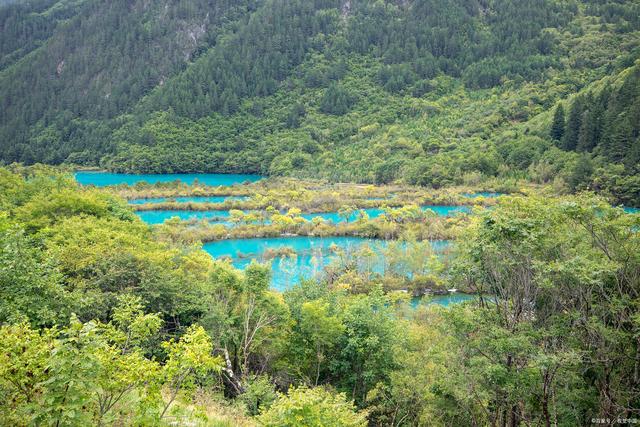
x,y
603,122
30,284
162,332
316,336
23,365
132,328
312,407
427,92
75,376
336,100
368,347
557,127
187,359
259,394
547,266
97,373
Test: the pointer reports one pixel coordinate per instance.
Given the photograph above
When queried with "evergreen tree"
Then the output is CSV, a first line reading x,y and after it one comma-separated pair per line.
x,y
336,100
621,127
294,116
574,122
587,135
557,128
581,173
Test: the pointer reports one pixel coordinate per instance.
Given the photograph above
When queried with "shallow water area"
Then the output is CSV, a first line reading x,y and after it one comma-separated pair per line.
x,y
444,210
336,217
102,179
188,199
312,254
160,216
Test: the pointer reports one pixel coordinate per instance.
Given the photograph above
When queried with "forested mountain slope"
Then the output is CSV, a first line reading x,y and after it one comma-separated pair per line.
x,y
432,92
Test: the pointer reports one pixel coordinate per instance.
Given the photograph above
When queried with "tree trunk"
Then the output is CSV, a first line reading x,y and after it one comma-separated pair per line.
x,y
232,385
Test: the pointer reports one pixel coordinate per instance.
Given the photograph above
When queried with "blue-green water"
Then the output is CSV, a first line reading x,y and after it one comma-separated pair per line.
x,y
193,199
101,179
443,300
631,210
441,210
335,217
158,217
312,254
485,194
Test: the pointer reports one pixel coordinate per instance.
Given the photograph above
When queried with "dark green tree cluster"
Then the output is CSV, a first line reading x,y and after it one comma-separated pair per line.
x,y
445,91
336,100
250,63
26,25
624,14
113,58
604,123
96,66
447,37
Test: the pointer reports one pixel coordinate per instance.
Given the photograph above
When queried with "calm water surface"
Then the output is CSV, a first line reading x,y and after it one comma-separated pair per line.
x,y
335,217
442,210
193,199
158,217
101,179
312,254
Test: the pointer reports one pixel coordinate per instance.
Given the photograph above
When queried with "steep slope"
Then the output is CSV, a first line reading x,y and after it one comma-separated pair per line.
x,y
432,92
591,141
95,66
26,25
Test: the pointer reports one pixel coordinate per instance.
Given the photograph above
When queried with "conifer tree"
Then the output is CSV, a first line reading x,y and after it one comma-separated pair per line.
x,y
574,122
557,128
587,135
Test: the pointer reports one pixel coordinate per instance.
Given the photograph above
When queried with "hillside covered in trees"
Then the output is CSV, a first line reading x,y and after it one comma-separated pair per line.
x,y
430,92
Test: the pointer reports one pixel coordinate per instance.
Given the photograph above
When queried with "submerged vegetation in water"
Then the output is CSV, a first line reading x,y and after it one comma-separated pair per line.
x,y
307,195
106,320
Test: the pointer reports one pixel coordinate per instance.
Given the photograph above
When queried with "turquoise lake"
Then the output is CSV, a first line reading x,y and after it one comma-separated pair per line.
x,y
631,210
160,216
193,199
312,255
335,217
101,179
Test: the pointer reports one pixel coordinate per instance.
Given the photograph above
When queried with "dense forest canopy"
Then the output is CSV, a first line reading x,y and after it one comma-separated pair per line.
x,y
429,92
